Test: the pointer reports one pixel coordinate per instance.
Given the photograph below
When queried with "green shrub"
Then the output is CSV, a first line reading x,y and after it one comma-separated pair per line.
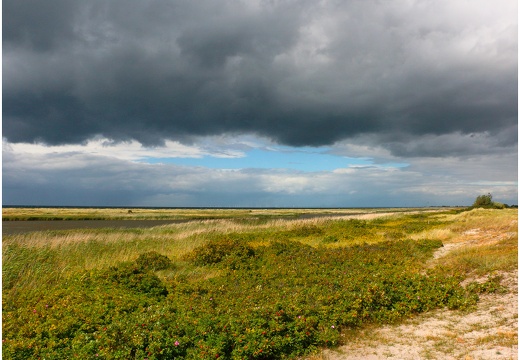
x,y
483,201
306,230
498,205
486,201
215,252
289,248
153,261
491,285
137,279
295,299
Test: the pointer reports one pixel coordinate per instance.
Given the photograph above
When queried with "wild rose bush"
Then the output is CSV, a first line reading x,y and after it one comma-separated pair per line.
x,y
276,301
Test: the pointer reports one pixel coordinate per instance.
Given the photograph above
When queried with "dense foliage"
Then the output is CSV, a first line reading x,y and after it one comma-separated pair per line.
x,y
272,302
486,201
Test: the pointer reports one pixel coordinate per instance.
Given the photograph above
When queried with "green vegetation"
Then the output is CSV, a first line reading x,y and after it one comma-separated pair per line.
x,y
486,201
231,289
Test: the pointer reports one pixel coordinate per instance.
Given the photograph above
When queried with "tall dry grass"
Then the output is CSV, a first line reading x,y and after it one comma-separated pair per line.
x,y
48,256
484,241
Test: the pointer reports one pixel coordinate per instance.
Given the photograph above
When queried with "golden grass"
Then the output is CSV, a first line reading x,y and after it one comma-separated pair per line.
x,y
483,259
501,338
170,233
100,248
478,222
502,220
487,241
442,234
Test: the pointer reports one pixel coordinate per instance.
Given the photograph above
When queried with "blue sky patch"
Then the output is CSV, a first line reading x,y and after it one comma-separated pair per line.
x,y
302,159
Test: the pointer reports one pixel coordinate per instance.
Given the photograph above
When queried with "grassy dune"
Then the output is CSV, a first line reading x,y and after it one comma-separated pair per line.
x,y
246,285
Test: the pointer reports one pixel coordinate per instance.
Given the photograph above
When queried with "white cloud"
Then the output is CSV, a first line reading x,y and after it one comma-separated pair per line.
x,y
98,173
126,150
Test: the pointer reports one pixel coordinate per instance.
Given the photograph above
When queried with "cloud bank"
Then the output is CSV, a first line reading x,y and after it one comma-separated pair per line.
x,y
297,72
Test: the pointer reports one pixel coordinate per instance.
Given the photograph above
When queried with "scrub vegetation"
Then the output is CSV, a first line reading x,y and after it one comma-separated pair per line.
x,y
486,201
246,287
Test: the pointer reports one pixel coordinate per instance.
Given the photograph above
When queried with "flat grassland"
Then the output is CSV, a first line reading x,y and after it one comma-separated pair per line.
x,y
258,284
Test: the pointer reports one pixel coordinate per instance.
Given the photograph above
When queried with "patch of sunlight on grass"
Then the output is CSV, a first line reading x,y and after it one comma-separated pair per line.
x,y
442,234
502,255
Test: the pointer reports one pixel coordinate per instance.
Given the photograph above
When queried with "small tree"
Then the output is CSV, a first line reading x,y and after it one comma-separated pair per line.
x,y
484,201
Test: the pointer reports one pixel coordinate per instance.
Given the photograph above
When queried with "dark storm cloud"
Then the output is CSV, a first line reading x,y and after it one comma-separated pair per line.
x,y
38,25
443,145
301,73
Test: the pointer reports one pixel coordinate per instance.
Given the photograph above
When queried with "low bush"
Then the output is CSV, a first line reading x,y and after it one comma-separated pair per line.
x,y
491,285
135,278
153,261
216,251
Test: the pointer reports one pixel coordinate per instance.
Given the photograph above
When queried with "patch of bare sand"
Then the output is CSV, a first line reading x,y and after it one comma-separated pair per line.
x,y
488,333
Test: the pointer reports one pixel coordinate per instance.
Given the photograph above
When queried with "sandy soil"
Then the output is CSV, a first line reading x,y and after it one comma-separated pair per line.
x,y
489,332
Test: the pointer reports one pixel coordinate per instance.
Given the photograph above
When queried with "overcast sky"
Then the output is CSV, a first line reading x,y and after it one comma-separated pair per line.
x,y
259,103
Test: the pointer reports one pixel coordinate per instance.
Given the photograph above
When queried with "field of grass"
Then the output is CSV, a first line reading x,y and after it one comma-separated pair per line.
x,y
247,286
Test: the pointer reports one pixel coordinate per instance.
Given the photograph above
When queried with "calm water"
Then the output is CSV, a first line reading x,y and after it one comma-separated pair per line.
x,y
18,227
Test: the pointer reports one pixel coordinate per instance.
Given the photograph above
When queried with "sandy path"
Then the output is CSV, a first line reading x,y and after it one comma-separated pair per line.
x,y
489,332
